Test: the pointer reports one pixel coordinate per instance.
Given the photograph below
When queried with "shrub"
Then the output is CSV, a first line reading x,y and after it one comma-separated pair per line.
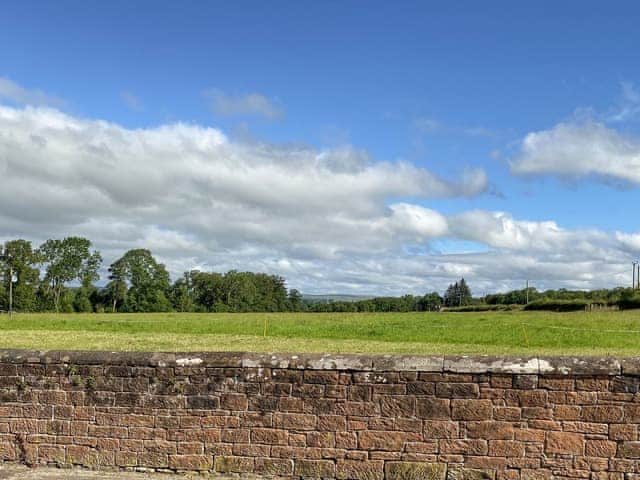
x,y
628,302
484,308
558,305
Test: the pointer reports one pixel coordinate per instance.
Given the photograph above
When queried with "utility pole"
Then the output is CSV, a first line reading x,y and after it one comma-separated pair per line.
x,y
633,282
527,291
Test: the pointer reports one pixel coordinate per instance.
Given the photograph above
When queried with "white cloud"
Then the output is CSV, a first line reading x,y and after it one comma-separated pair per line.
x,y
327,220
419,222
17,94
500,230
188,191
630,242
577,150
255,104
628,105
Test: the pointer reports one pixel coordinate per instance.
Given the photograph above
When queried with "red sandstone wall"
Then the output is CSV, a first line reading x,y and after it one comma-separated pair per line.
x,y
323,417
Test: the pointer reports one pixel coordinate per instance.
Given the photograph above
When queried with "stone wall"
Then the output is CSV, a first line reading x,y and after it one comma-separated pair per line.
x,y
312,416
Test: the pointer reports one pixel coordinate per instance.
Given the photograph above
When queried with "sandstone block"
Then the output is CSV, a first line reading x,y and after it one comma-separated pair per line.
x,y
414,471
564,443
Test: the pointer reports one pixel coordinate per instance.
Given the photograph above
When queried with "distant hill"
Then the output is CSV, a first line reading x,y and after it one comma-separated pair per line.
x,y
337,297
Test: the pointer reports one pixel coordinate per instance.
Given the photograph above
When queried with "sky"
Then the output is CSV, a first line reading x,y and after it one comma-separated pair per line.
x,y
374,148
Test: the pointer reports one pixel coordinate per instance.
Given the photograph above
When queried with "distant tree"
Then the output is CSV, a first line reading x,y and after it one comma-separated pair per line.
x,y
18,257
239,291
458,294
208,291
294,300
147,281
452,295
68,260
271,293
82,300
430,302
181,293
116,289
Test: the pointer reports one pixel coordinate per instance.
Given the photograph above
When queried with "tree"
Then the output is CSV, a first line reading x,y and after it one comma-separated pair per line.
x,y
208,291
146,279
431,302
68,260
181,293
271,292
458,294
294,300
116,289
20,259
465,293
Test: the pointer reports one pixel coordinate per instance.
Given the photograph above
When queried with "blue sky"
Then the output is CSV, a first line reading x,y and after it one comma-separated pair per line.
x,y
444,87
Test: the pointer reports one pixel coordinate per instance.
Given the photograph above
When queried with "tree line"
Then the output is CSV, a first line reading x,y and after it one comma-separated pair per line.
x,y
61,274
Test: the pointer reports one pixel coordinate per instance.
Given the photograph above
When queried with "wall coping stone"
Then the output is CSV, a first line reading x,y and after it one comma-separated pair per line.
x,y
478,364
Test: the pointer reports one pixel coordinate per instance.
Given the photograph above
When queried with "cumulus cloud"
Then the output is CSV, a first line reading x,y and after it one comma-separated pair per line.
x,y
328,220
187,191
14,93
578,150
253,104
500,230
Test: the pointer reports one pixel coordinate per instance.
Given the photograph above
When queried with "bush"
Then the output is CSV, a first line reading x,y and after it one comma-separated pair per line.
x,y
629,302
558,305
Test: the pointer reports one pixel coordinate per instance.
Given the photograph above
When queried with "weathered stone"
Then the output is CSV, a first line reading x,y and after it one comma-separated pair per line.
x,y
228,464
564,443
490,364
433,408
602,414
408,363
372,440
471,409
457,390
190,462
397,406
414,471
469,474
600,448
360,470
274,466
324,416
464,447
580,366
314,469
623,432
490,430
203,402
631,449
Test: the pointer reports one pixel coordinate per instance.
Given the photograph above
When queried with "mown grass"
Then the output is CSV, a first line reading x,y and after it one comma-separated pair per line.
x,y
594,333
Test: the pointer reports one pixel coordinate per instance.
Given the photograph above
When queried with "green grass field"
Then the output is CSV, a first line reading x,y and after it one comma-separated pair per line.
x,y
596,333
